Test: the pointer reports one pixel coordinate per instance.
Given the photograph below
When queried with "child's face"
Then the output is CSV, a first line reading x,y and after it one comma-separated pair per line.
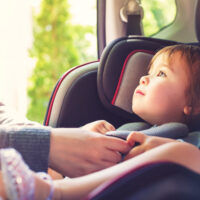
x,y
161,96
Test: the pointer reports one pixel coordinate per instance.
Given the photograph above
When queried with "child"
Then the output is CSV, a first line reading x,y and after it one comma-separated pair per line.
x,y
170,92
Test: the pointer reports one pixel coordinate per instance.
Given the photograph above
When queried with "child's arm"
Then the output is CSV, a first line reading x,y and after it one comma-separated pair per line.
x,y
100,126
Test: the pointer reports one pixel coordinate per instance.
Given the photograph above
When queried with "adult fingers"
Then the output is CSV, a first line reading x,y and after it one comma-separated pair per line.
x,y
102,129
112,156
136,137
117,144
134,152
108,126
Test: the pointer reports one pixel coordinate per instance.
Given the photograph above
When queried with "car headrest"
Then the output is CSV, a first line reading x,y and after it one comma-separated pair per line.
x,y
122,64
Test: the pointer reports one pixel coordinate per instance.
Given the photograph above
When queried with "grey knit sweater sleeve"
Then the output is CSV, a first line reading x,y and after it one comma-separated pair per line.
x,y
31,139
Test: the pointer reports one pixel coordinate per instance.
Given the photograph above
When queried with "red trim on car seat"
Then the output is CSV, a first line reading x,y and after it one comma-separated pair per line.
x,y
57,87
123,69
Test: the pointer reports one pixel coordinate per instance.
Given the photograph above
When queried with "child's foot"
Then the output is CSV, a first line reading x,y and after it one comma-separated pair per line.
x,y
20,182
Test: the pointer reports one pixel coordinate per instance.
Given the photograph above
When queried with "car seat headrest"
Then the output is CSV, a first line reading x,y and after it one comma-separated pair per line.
x,y
133,68
122,64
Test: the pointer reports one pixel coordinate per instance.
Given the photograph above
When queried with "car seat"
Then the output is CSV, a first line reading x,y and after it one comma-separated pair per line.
x,y
103,89
153,181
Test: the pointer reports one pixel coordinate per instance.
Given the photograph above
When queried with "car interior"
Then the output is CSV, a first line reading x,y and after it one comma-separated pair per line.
x,y
103,89
96,85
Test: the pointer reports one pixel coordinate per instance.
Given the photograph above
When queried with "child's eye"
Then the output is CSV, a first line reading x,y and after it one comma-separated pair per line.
x,y
161,74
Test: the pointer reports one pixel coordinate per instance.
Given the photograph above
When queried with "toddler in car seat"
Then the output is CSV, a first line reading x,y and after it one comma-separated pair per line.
x,y
167,99
169,94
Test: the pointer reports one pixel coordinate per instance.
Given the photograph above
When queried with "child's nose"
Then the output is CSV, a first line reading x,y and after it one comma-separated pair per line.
x,y
144,80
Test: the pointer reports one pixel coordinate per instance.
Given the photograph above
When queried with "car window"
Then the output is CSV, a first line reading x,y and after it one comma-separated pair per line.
x,y
64,37
84,13
157,14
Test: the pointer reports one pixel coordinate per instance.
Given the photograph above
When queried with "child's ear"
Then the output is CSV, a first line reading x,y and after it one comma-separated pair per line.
x,y
187,110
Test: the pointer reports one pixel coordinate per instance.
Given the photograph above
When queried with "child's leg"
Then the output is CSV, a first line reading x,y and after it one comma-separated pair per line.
x,y
41,191
17,181
178,152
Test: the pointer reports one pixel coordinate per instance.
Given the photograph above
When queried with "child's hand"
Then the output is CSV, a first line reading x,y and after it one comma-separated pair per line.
x,y
145,143
100,126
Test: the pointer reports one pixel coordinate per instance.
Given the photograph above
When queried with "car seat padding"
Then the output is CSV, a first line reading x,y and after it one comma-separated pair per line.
x,y
153,181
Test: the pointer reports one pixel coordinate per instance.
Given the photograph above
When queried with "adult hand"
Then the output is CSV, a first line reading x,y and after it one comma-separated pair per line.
x,y
145,143
100,126
76,152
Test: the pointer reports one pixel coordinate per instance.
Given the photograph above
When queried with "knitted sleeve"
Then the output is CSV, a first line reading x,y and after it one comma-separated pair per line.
x,y
30,138
32,142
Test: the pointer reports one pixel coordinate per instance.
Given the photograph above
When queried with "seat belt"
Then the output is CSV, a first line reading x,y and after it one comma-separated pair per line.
x,y
132,14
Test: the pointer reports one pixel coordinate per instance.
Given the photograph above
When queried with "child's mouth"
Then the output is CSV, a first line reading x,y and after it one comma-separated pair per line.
x,y
139,92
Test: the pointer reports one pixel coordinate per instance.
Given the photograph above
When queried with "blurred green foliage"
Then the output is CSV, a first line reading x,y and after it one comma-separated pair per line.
x,y
157,14
58,45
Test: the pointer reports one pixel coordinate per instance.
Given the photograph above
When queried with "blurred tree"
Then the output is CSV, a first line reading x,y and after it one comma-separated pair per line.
x,y
157,14
58,45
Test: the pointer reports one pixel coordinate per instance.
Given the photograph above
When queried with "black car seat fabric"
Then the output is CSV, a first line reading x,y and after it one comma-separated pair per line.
x,y
64,100
75,101
155,181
